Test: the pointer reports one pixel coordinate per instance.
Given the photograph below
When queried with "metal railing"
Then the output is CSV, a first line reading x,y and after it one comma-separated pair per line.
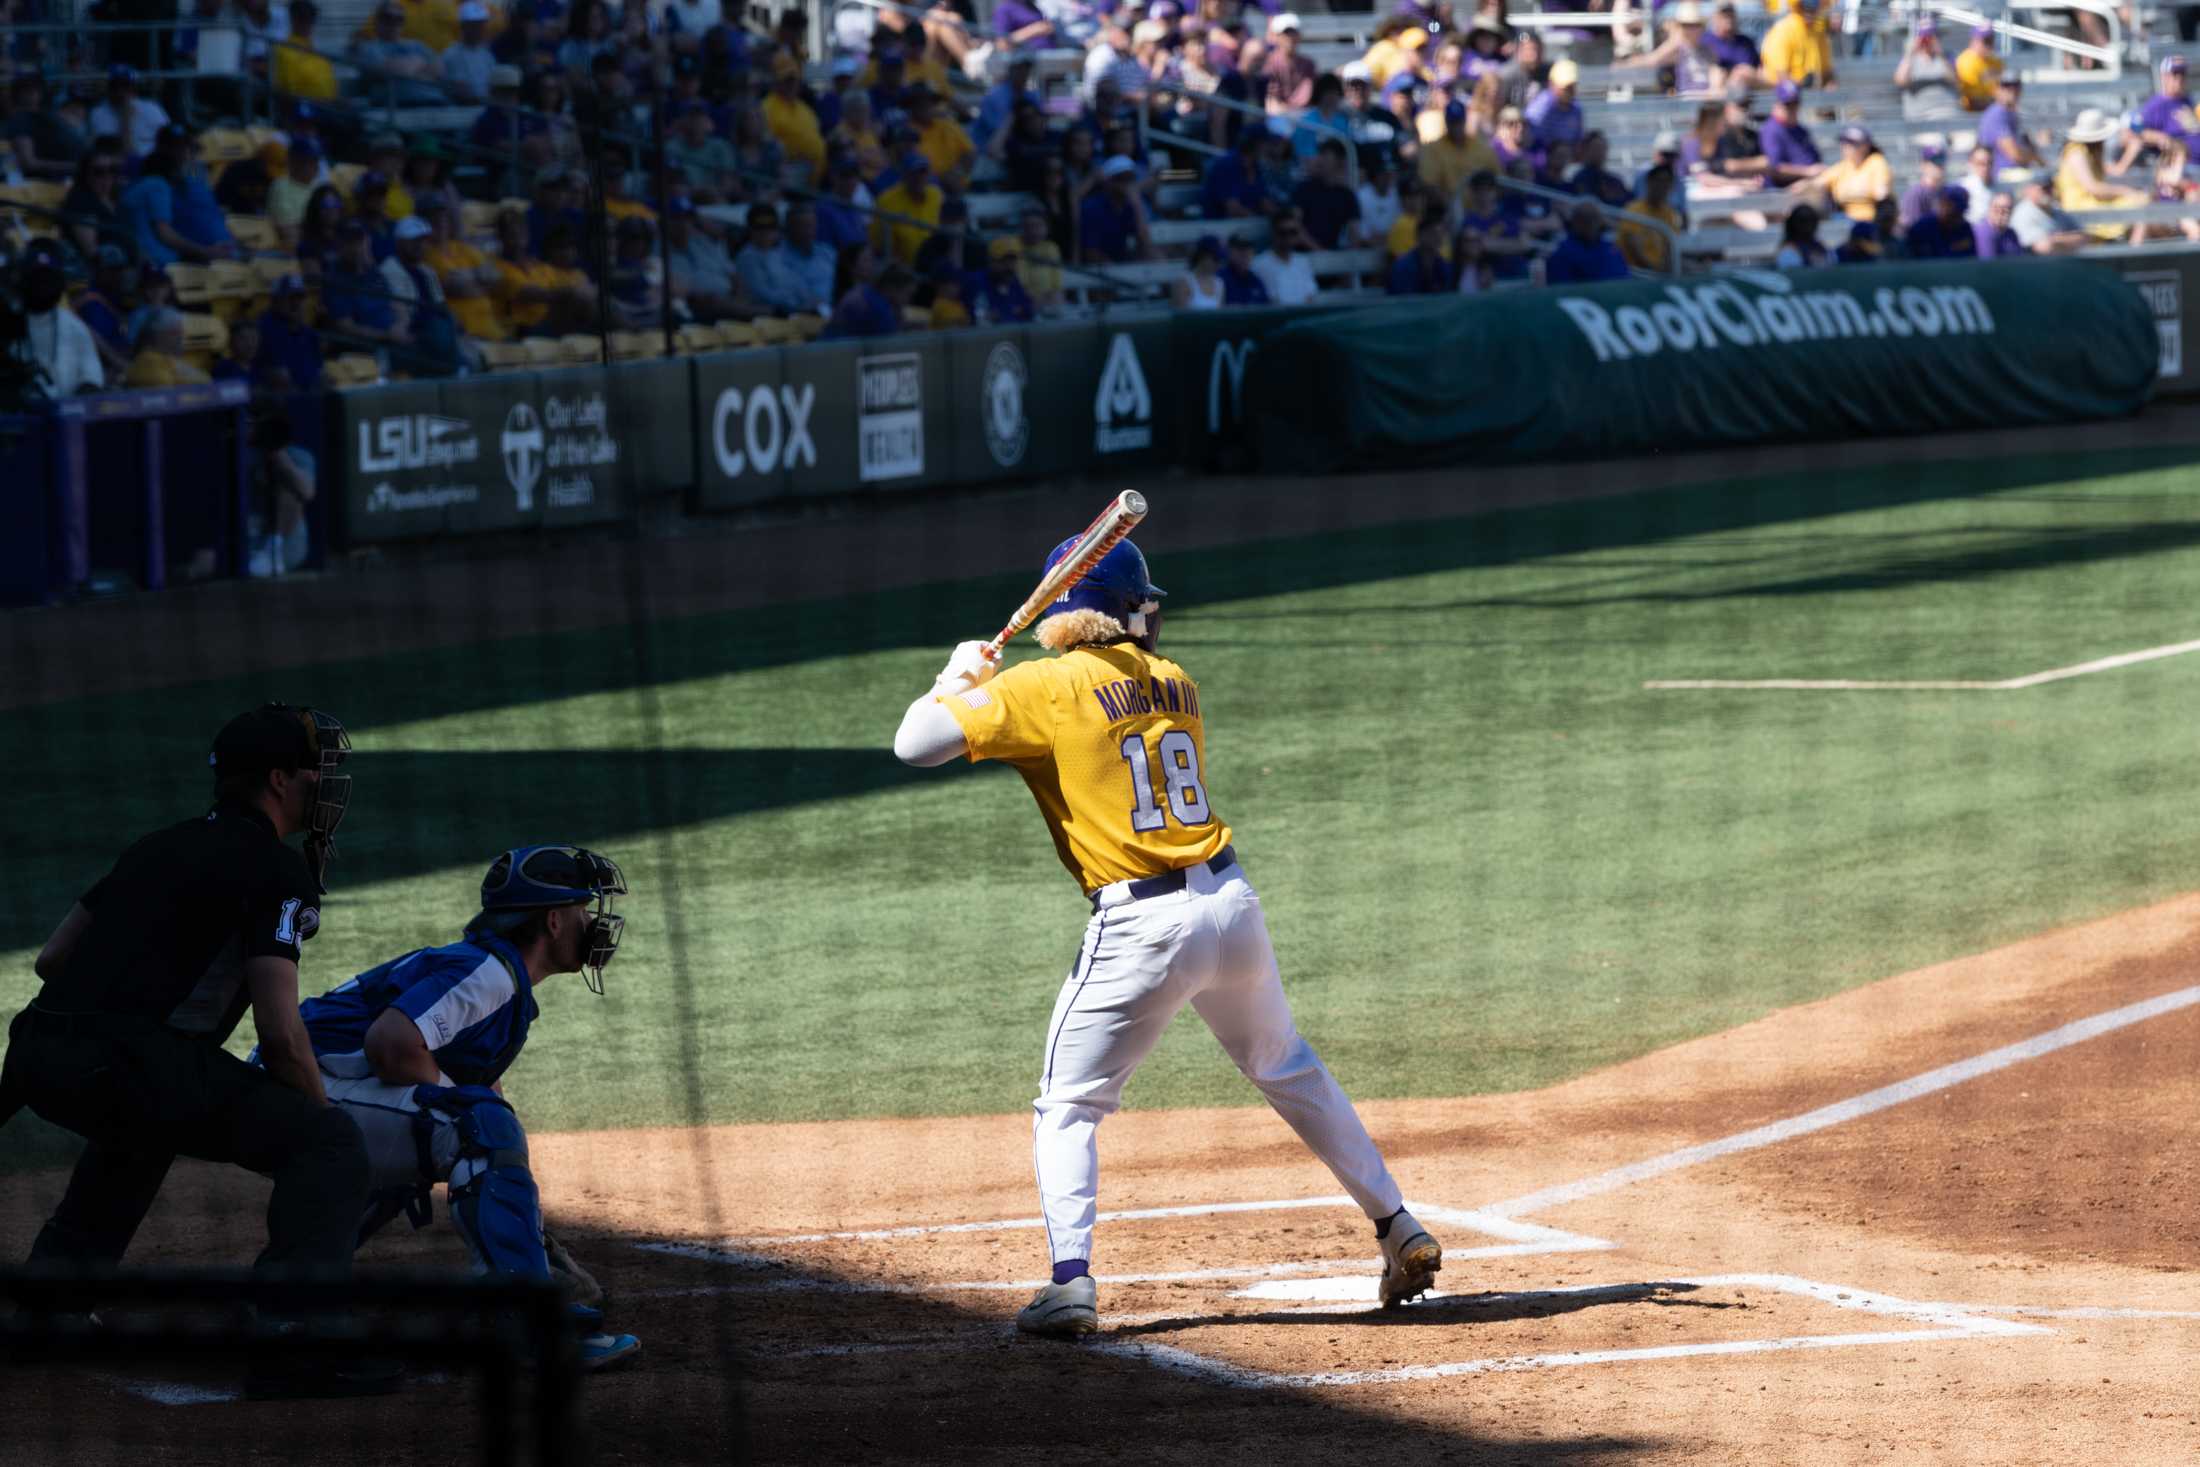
x,y
2009,32
1613,218
1254,114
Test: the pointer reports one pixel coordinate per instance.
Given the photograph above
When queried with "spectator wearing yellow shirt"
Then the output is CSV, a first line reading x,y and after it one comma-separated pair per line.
x,y
891,69
298,70
1799,48
1647,249
618,200
160,361
470,279
1398,46
434,23
1859,182
915,196
940,137
857,137
1040,267
1978,70
541,297
792,120
1447,164
386,158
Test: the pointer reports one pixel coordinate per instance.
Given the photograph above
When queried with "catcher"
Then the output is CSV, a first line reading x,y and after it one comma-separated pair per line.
x,y
415,1050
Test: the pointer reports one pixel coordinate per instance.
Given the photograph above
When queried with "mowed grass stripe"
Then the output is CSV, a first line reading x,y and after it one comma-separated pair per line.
x,y
1489,859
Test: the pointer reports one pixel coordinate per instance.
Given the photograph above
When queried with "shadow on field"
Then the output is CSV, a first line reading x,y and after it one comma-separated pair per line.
x,y
1490,1308
836,1374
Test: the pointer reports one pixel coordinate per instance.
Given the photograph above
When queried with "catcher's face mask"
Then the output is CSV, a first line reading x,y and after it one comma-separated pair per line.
x,y
331,790
537,877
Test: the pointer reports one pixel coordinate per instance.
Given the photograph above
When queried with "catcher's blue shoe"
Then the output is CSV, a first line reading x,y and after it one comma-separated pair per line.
x,y
601,1349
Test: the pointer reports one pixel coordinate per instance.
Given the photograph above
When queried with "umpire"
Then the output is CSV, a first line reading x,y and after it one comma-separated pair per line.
x,y
146,977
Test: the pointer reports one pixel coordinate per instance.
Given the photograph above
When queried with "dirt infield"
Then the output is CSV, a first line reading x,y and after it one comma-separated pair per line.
x,y
1997,1270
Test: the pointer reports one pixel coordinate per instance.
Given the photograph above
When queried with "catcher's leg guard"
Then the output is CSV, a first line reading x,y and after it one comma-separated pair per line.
x,y
493,1196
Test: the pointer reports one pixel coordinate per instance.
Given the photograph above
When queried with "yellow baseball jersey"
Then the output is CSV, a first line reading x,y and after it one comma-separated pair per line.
x,y
1111,742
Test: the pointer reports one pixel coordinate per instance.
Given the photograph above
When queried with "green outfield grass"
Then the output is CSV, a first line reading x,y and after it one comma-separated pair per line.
x,y
1490,860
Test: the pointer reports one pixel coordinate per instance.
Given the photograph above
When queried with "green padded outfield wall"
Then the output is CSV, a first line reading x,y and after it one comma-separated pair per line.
x,y
1756,356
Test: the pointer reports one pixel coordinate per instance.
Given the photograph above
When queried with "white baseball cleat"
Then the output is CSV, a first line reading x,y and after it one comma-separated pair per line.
x,y
1410,1261
1062,1311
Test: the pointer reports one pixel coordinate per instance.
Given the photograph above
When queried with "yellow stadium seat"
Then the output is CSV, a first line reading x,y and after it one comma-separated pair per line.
x,y
738,334
353,369
191,284
477,220
636,346
345,176
691,339
808,326
774,330
225,145
580,350
259,137
505,356
254,232
230,279
916,318
205,333
40,201
266,272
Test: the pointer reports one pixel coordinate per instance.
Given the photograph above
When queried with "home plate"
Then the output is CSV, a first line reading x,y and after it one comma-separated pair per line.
x,y
1349,1289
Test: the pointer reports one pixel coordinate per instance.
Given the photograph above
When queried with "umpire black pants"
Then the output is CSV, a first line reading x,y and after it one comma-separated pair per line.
x,y
143,1095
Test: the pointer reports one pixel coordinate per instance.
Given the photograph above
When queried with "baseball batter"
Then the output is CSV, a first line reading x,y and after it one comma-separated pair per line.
x,y
1111,739
415,1052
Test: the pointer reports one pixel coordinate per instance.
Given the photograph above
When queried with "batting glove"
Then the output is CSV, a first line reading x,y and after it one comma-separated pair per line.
x,y
969,667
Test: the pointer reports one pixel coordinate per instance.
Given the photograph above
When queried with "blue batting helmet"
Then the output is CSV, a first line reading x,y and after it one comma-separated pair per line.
x,y
1118,586
532,879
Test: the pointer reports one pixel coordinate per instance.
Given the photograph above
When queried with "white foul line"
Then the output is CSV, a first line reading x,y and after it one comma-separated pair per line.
x,y
1853,685
1836,1114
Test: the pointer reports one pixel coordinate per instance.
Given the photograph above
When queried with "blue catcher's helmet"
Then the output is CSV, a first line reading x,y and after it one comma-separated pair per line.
x,y
532,879
1117,586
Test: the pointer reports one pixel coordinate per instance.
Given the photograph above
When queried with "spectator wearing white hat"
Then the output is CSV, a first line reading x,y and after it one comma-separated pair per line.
x,y
1554,116
2081,179
1290,74
468,62
1682,52
1666,152
412,284
1111,222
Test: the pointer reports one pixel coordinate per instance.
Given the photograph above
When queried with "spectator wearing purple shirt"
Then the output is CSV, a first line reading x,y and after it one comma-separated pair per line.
x,y
1943,234
1020,26
1790,154
1553,116
1584,255
1996,239
2168,118
2002,129
1726,43
1923,196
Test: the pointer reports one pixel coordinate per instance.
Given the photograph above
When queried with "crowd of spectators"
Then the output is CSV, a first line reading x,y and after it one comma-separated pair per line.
x,y
660,163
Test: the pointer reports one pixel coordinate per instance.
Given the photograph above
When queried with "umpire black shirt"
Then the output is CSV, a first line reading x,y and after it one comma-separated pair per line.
x,y
176,919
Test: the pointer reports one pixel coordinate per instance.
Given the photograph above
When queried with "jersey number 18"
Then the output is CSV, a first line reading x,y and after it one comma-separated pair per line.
x,y
1179,768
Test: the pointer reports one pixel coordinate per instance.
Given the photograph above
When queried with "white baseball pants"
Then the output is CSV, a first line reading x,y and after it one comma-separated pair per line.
x,y
1206,945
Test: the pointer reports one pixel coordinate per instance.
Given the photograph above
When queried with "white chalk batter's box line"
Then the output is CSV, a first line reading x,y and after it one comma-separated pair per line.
x,y
1520,1239
1939,1321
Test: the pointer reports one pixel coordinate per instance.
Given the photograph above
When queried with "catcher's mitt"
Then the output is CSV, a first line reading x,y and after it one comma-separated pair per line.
x,y
579,1284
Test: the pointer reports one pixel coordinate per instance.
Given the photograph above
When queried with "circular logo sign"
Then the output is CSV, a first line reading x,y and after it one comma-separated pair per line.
x,y
522,445
1001,405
